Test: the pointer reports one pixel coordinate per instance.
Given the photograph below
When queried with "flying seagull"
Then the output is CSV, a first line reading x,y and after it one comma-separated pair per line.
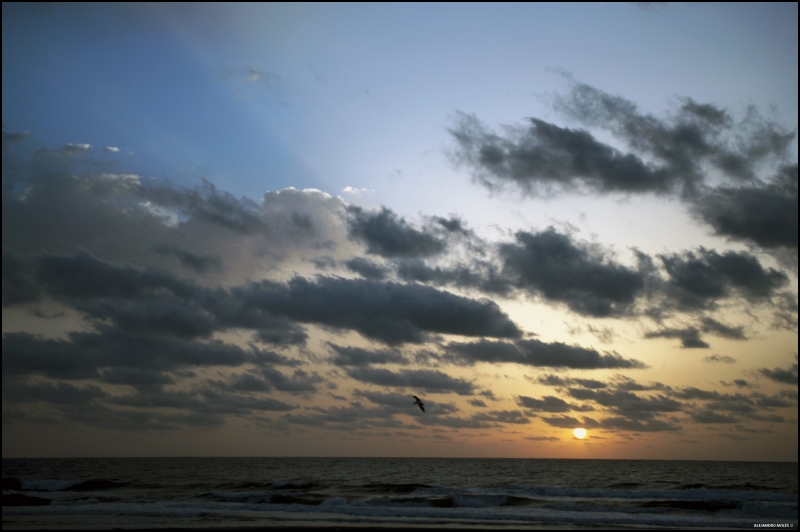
x,y
418,402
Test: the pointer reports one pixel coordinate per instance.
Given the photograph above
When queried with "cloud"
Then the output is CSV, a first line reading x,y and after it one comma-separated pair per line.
x,y
71,148
431,381
717,328
689,337
388,235
693,135
784,376
356,356
199,263
724,359
761,214
367,268
536,353
698,153
207,204
552,265
19,286
112,149
389,312
356,191
83,355
628,404
567,422
698,280
550,404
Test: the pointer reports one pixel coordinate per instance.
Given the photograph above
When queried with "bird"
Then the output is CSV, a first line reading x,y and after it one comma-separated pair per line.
x,y
418,402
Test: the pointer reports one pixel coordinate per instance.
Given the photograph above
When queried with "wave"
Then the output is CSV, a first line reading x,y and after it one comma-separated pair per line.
x,y
16,484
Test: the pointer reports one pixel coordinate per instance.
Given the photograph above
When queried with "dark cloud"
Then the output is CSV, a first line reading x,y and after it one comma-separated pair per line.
x,y
679,154
60,393
762,214
724,359
83,276
279,332
552,265
83,354
205,203
432,381
356,356
478,274
502,416
536,353
390,312
367,269
785,315
149,302
638,425
628,404
710,417
300,382
681,144
136,377
689,337
557,380
783,375
698,280
545,156
717,328
567,422
388,235
198,263
19,286
549,403
15,136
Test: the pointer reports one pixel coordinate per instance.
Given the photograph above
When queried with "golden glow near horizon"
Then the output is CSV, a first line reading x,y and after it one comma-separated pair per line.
x,y
579,433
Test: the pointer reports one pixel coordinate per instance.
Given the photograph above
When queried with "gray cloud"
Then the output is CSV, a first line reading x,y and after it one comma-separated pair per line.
x,y
367,269
783,375
388,235
724,359
536,353
568,422
546,156
762,214
198,263
82,355
675,154
689,337
479,274
356,356
628,404
549,403
19,286
717,328
207,204
432,381
388,312
698,280
553,265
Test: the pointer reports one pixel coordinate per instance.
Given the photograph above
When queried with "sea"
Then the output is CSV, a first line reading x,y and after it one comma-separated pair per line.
x,y
407,493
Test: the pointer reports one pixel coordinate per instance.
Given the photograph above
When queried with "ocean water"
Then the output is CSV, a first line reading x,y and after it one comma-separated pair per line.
x,y
396,492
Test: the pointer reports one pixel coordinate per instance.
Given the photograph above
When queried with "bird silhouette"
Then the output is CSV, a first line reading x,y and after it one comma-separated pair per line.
x,y
419,403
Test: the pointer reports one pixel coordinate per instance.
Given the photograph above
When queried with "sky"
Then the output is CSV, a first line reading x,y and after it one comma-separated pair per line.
x,y
258,230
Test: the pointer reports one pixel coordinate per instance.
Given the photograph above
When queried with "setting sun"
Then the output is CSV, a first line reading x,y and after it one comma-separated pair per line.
x,y
579,433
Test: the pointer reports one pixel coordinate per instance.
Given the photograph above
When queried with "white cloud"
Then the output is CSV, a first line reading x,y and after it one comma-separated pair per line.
x,y
357,191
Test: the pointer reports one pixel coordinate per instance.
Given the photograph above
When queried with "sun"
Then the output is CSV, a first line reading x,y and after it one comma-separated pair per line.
x,y
579,433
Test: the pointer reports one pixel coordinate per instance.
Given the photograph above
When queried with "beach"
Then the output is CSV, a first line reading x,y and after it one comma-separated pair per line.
x,y
400,493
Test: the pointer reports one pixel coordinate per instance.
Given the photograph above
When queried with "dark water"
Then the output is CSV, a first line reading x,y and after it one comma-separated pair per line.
x,y
489,493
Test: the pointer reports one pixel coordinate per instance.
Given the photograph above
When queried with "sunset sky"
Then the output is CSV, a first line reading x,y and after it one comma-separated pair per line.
x,y
257,230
